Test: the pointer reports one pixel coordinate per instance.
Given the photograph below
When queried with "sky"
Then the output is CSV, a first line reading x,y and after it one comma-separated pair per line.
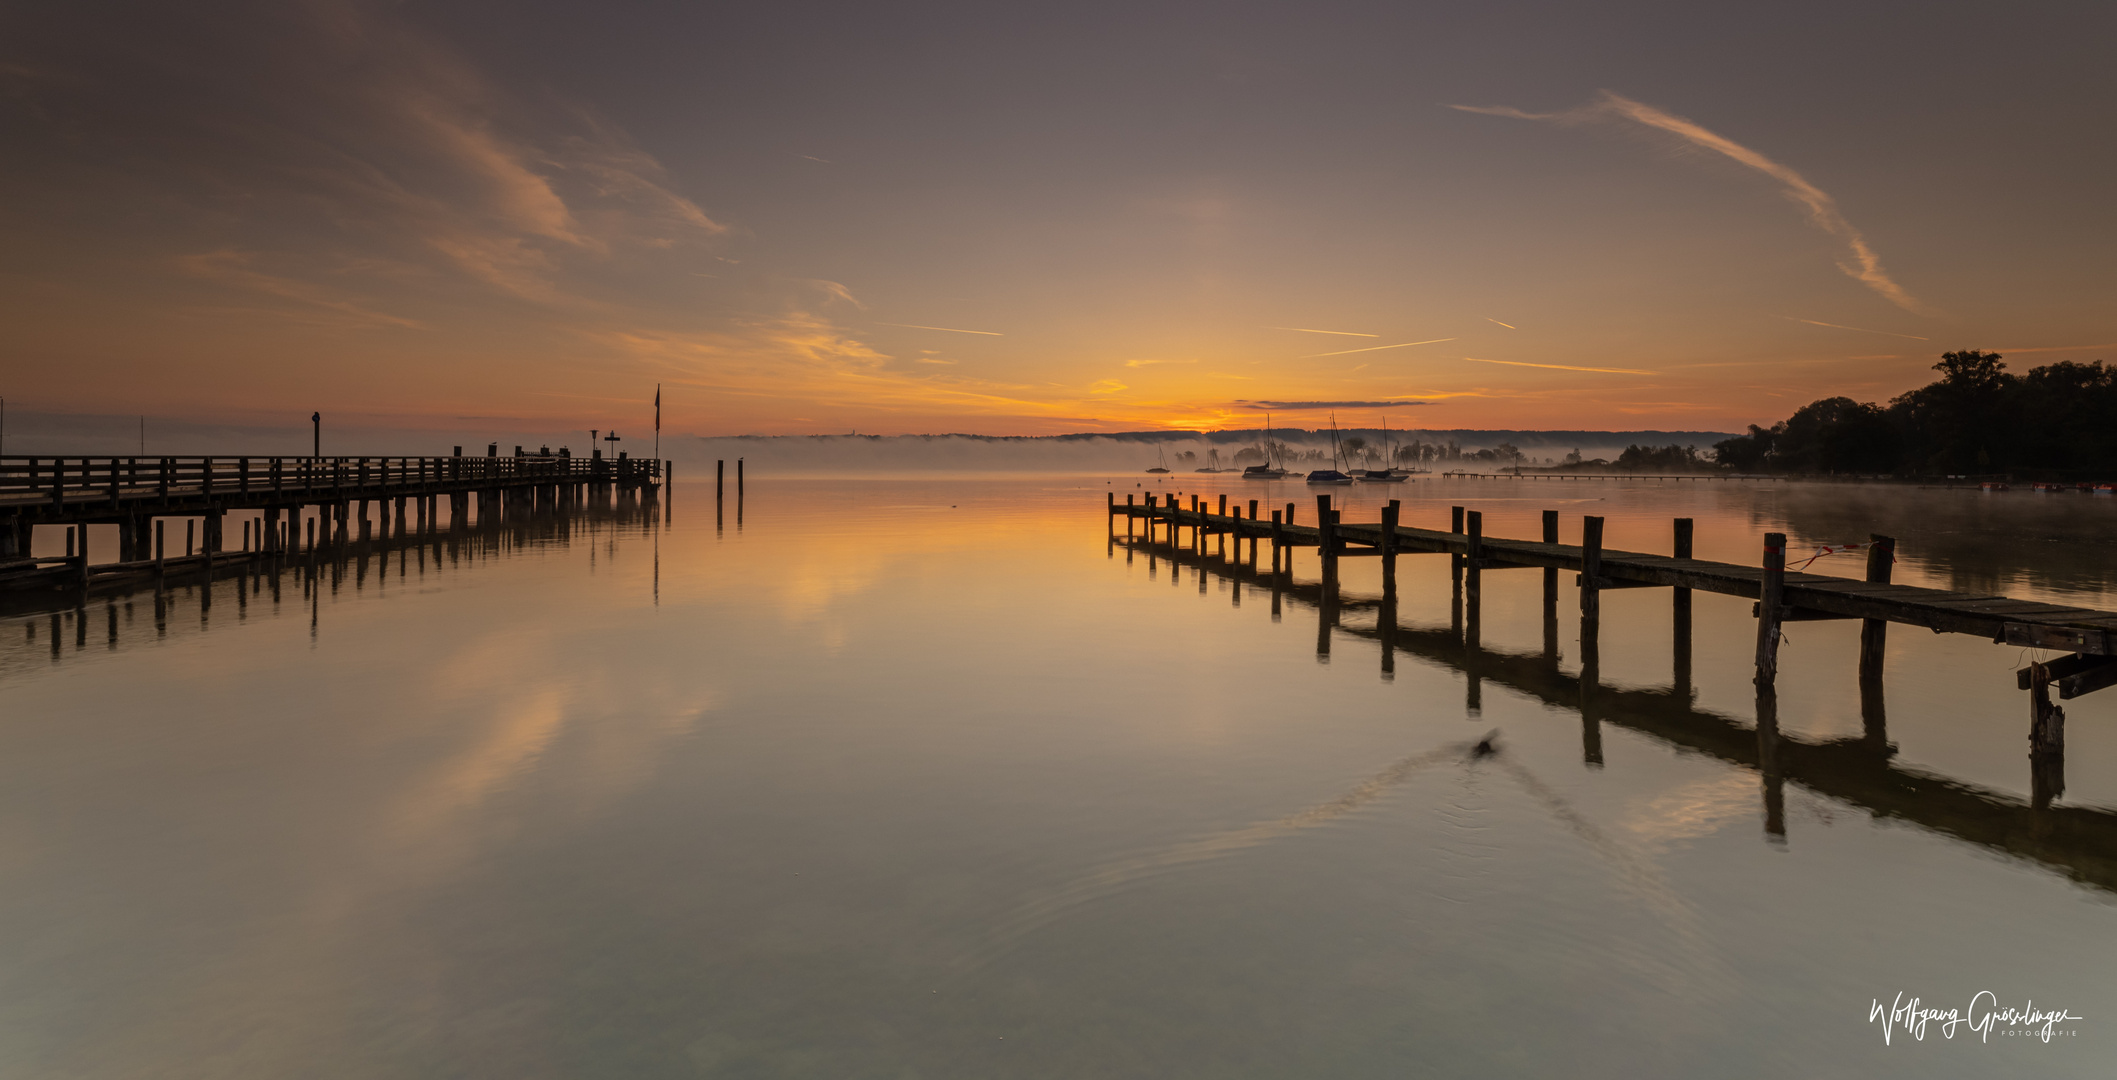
x,y
1033,219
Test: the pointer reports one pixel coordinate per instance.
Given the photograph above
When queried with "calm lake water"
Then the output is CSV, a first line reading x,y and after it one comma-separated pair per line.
x,y
927,778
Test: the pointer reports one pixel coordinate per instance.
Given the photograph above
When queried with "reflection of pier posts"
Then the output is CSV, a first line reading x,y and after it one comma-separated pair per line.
x,y
1874,633
1680,614
1768,762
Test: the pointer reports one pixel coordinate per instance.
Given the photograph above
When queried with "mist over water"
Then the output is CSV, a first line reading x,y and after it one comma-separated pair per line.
x,y
939,777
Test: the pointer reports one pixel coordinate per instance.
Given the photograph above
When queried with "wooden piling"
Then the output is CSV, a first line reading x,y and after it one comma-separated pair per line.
x,y
1591,567
1680,613
1771,602
1874,633
1550,612
1473,579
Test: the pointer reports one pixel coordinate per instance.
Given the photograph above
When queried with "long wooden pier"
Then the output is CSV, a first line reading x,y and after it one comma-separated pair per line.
x,y
1783,596
2078,842
140,495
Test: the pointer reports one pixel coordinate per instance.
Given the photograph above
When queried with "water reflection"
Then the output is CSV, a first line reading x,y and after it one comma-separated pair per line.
x,y
378,560
2079,842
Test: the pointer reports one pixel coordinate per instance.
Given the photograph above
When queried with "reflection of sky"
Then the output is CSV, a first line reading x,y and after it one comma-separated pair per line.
x,y
874,786
1013,220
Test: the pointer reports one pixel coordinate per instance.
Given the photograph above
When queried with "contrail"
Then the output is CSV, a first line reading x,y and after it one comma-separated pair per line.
x,y
1306,330
1864,266
1377,348
1490,319
1861,329
1563,367
950,329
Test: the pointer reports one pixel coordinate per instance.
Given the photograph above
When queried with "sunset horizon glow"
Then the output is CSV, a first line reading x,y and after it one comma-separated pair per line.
x,y
243,215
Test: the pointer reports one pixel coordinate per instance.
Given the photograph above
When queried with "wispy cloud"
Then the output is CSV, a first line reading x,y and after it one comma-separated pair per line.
x,y
1151,363
1297,406
234,268
950,329
1861,329
1863,264
1562,367
837,292
812,157
1340,333
1490,319
1377,348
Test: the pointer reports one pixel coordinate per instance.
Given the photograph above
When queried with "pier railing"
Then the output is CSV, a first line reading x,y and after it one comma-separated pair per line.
x,y
70,480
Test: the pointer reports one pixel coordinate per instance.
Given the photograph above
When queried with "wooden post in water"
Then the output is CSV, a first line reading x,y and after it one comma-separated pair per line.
x,y
738,483
1473,579
1771,600
1591,640
1874,633
1277,545
1551,592
2047,740
1680,614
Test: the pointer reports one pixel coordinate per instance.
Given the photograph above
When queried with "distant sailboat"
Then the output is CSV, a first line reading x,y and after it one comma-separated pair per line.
x,y
1332,476
1163,461
1268,470
1384,475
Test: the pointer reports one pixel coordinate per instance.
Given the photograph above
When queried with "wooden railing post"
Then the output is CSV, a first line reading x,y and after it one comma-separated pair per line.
x,y
1770,601
1874,633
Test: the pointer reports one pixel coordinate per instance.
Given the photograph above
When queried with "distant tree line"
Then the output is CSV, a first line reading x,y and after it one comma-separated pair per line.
x,y
1976,418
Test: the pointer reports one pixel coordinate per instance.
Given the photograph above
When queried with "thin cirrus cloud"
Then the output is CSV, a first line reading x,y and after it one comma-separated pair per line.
x,y
1151,363
1864,265
1378,348
1562,367
1861,329
1496,322
1304,405
1340,333
949,329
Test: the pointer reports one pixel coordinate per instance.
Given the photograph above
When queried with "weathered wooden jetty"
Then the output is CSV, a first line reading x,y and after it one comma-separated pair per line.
x,y
272,497
2078,842
1782,596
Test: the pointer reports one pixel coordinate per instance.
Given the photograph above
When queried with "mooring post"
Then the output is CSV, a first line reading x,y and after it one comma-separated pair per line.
x,y
1770,601
1591,639
1874,633
1390,515
720,478
1278,542
2047,722
738,481
1473,580
1680,613
1325,534
1109,511
1550,612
